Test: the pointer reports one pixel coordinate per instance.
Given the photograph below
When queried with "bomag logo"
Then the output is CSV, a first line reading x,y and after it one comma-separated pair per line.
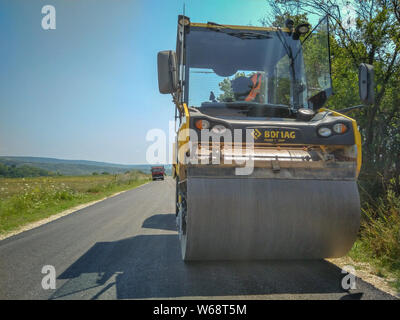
x,y
273,135
256,134
276,134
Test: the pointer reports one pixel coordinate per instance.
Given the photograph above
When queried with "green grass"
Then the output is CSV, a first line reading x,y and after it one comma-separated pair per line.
x,y
26,200
379,238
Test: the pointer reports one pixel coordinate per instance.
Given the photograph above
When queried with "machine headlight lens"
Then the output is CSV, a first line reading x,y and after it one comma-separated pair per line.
x,y
340,128
324,132
184,21
218,129
202,124
302,28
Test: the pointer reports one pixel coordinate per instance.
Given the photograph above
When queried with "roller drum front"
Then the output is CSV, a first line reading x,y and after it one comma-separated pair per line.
x,y
253,218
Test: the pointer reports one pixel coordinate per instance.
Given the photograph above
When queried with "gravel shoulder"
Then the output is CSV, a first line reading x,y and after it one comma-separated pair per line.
x,y
365,272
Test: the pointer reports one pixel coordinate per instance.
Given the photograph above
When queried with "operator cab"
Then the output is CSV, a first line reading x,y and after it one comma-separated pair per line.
x,y
253,72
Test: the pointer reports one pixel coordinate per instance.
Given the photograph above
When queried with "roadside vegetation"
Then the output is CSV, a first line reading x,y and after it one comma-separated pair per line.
x,y
368,32
379,237
25,200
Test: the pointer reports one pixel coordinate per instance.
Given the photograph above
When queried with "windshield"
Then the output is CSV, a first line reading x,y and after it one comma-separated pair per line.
x,y
267,68
315,50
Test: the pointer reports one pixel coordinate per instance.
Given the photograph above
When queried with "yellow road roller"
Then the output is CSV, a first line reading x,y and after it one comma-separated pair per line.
x,y
263,170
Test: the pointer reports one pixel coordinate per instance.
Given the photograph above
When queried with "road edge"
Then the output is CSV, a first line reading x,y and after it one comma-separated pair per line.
x,y
61,214
364,272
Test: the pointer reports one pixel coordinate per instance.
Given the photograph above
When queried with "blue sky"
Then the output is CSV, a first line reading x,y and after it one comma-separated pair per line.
x,y
88,90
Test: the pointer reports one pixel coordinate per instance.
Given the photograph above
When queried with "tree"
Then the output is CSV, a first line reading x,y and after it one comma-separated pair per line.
x,y
225,87
369,35
396,8
12,171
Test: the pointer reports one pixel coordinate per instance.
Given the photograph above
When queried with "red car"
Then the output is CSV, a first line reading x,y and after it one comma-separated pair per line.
x,y
157,173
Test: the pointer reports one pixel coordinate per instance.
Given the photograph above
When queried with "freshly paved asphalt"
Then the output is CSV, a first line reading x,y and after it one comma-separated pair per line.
x,y
127,247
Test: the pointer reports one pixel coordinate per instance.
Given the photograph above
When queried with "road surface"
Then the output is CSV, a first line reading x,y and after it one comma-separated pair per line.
x,y
126,247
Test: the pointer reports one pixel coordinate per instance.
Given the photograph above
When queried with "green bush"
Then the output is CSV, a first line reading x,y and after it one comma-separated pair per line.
x,y
94,189
379,238
380,227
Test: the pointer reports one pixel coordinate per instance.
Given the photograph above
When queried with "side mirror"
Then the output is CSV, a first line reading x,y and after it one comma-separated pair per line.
x,y
366,83
167,72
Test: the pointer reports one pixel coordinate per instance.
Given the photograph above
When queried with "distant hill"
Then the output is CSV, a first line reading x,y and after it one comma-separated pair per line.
x,y
74,167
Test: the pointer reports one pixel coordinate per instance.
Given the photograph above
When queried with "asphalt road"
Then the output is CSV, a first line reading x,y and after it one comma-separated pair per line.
x,y
126,247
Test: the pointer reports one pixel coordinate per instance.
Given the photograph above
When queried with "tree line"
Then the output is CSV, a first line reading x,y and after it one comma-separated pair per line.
x,y
12,171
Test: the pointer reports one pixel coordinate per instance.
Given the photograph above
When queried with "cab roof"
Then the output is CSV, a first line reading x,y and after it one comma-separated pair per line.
x,y
253,28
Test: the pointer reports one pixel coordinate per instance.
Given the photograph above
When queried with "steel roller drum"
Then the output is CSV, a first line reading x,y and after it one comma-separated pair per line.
x,y
253,218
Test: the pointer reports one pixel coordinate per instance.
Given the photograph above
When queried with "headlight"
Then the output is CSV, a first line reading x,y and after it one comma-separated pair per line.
x,y
324,132
202,124
303,28
340,128
218,129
